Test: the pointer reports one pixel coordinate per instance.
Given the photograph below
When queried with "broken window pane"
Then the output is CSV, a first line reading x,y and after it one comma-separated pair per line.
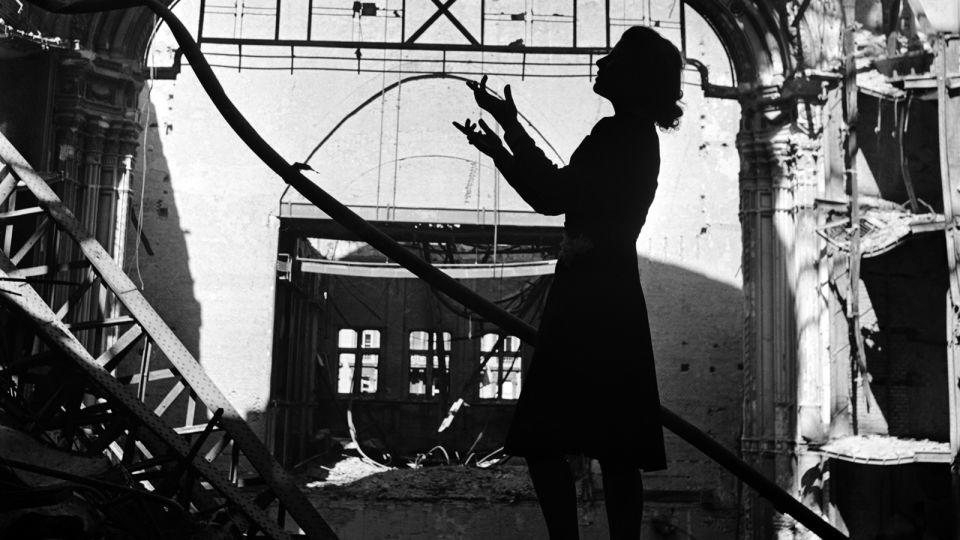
x,y
418,341
424,379
347,339
446,341
488,380
350,347
345,374
418,373
368,375
371,339
502,372
441,373
510,389
488,342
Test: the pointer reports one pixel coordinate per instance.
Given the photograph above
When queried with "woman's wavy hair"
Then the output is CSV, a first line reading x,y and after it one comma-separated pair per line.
x,y
660,71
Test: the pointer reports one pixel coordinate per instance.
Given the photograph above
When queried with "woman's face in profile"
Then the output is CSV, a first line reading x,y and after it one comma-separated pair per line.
x,y
615,74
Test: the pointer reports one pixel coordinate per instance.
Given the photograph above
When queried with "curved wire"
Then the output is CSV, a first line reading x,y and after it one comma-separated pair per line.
x,y
412,78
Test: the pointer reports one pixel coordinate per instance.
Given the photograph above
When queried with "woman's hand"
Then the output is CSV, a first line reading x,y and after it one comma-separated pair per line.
x,y
504,111
484,139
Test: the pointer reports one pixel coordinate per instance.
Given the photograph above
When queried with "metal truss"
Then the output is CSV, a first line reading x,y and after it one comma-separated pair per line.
x,y
248,20
92,395
539,38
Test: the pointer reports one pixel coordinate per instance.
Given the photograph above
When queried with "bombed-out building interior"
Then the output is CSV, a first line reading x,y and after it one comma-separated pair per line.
x,y
254,283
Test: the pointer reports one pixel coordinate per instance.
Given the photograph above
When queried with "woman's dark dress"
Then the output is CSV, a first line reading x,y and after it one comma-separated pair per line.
x,y
592,386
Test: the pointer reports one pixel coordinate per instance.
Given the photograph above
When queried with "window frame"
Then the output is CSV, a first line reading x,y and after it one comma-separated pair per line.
x,y
431,351
358,353
502,355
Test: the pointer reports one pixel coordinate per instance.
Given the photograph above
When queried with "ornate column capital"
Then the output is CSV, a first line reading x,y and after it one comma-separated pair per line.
x,y
95,133
129,137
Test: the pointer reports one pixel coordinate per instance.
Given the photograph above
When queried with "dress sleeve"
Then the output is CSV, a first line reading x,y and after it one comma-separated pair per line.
x,y
547,188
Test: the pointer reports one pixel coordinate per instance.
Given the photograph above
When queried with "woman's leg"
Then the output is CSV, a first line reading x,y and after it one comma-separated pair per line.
x,y
557,493
623,494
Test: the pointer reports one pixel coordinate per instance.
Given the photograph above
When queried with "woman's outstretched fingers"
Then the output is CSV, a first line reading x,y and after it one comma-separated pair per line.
x,y
508,93
486,129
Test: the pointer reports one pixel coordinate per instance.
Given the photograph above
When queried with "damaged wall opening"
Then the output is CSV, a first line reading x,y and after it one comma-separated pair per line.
x,y
421,356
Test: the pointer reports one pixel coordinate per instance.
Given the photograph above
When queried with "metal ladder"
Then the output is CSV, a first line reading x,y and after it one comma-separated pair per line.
x,y
105,408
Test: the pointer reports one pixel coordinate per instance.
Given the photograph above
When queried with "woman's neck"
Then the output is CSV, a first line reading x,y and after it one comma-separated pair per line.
x,y
630,111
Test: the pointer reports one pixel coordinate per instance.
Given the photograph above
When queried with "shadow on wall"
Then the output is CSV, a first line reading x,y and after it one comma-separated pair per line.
x,y
907,356
163,274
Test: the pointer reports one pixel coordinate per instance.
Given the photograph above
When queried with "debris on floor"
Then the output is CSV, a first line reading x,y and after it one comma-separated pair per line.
x,y
351,477
885,450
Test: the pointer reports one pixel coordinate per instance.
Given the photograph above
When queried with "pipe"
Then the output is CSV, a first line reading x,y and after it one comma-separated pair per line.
x,y
781,500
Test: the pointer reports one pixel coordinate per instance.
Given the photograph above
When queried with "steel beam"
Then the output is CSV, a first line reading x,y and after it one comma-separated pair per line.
x,y
456,271
163,337
24,297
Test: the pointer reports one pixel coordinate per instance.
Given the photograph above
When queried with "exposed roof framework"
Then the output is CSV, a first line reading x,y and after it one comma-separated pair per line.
x,y
540,38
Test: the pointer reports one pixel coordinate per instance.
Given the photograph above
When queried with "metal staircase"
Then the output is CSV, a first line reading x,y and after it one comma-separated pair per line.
x,y
90,395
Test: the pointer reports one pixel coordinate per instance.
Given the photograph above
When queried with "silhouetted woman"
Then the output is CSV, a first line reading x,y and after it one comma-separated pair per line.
x,y
592,386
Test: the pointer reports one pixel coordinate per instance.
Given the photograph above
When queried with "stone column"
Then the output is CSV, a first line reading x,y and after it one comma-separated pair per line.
x,y
95,115
96,132
778,181
68,158
114,206
129,143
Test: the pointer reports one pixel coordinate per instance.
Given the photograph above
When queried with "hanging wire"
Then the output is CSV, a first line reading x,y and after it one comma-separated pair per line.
x,y
408,79
396,135
143,175
383,107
